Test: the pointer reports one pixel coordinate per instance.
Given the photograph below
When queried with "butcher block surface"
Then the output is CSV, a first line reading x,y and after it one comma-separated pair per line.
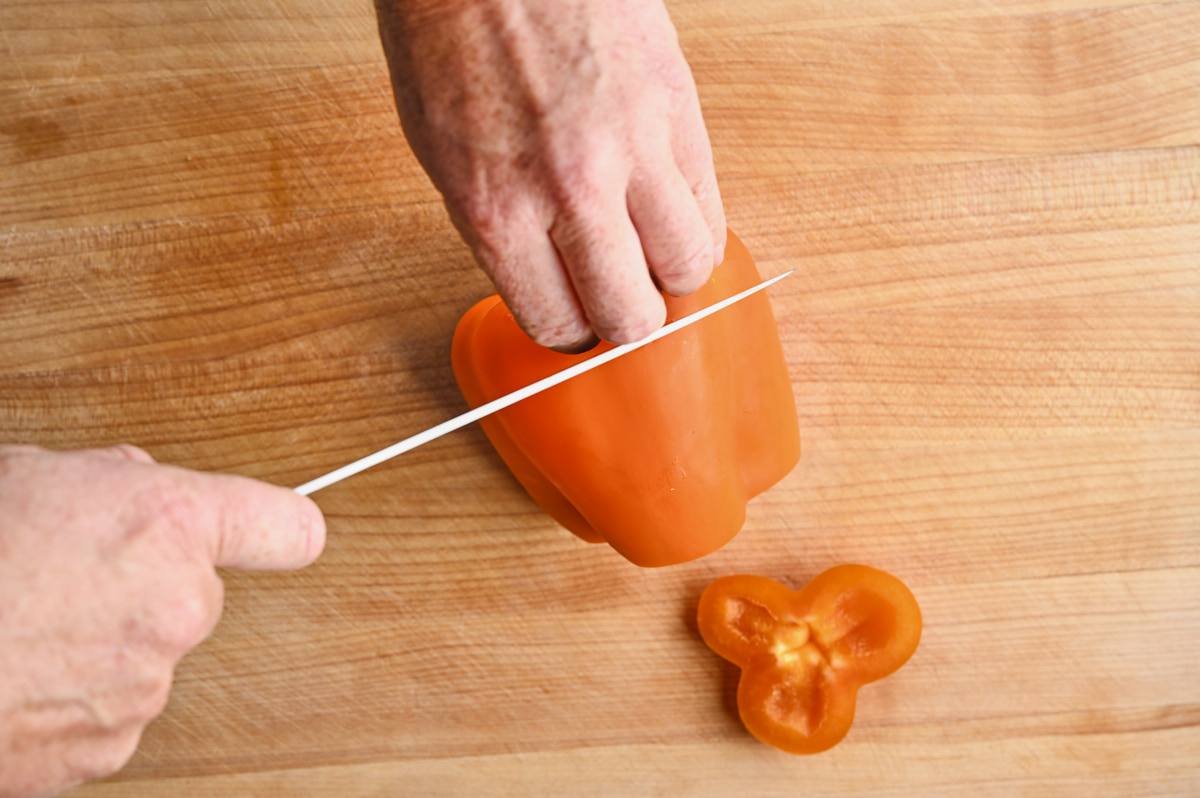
x,y
216,244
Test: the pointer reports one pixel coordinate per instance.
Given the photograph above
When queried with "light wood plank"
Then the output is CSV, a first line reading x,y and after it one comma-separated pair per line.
x,y
215,243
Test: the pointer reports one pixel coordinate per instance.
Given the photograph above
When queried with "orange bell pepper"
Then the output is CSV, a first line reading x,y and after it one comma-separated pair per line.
x,y
804,654
658,452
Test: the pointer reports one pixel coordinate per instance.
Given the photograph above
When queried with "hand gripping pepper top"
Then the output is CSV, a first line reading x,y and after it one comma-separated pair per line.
x,y
658,452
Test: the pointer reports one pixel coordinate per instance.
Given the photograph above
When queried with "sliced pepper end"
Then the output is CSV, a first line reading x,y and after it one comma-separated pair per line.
x,y
802,724
805,654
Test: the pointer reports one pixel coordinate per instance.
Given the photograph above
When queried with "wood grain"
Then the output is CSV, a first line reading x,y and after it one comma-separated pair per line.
x,y
216,244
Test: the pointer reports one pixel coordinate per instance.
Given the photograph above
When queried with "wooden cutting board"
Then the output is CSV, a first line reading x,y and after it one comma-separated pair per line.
x,y
217,245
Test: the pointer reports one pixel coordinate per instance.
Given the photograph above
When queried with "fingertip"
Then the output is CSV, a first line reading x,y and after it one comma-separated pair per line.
x,y
262,527
313,530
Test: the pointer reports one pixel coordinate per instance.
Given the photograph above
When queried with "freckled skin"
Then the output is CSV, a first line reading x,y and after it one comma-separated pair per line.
x,y
107,578
567,141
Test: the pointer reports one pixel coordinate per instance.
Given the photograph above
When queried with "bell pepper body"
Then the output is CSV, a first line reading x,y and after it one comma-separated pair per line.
x,y
658,452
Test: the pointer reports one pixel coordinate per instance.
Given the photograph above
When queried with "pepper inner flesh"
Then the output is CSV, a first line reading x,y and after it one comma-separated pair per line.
x,y
792,644
799,699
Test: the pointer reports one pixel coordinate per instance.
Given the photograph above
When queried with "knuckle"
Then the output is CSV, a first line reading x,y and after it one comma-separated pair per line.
x,y
105,756
181,510
163,515
483,216
176,614
488,226
140,700
580,200
498,230
586,177
170,622
154,697
674,78
189,618
495,213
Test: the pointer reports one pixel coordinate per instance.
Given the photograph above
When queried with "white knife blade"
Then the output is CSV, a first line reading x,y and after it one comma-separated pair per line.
x,y
484,410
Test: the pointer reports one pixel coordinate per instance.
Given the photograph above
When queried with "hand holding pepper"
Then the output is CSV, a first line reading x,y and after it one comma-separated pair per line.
x,y
567,140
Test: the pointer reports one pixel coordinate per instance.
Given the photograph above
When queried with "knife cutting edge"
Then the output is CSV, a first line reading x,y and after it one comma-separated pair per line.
x,y
484,410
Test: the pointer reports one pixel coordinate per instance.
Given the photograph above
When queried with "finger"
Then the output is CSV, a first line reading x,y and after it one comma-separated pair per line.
x,y
604,258
260,527
530,277
694,157
675,236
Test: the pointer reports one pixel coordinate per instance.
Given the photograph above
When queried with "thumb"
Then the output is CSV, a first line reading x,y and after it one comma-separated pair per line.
x,y
261,527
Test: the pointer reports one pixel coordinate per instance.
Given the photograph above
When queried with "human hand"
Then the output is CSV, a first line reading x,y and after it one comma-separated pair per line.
x,y
106,580
567,141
